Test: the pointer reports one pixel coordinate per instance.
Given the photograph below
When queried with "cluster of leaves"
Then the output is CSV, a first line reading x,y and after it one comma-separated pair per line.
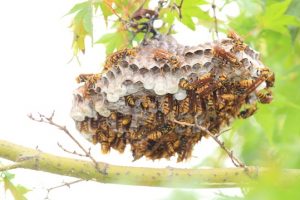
x,y
117,15
17,191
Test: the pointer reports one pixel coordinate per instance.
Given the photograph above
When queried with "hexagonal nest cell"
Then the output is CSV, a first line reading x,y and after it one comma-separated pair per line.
x,y
144,92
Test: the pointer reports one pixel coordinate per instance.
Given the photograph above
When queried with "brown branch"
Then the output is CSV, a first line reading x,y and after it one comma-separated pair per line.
x,y
64,184
213,6
72,152
49,120
179,8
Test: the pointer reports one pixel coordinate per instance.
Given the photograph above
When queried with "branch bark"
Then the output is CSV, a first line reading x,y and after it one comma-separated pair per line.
x,y
33,159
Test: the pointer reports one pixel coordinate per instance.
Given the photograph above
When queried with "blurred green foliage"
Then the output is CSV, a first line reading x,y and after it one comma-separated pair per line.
x,y
17,191
271,138
118,15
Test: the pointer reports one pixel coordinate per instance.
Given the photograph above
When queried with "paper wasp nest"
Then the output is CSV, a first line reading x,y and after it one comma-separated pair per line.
x,y
144,92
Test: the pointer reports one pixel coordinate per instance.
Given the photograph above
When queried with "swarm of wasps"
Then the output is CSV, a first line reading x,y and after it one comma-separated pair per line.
x,y
144,92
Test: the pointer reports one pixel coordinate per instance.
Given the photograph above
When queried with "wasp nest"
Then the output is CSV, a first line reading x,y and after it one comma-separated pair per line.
x,y
145,91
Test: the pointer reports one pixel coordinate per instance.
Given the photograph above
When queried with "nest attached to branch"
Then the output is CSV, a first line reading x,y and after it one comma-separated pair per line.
x,y
144,92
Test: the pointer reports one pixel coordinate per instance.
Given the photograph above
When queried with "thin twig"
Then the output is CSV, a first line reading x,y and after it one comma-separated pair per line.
x,y
213,6
234,159
183,123
49,120
179,8
71,152
170,29
64,184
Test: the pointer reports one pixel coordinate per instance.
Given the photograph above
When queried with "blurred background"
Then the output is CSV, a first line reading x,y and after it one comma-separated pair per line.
x,y
38,70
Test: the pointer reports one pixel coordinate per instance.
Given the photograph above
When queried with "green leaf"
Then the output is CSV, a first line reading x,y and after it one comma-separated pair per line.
x,y
82,26
105,8
190,9
18,191
294,8
114,41
187,20
8,175
276,10
78,7
106,38
265,117
87,21
276,20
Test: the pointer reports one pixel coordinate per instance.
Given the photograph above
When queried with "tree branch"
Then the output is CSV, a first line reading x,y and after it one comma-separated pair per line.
x,y
158,177
49,120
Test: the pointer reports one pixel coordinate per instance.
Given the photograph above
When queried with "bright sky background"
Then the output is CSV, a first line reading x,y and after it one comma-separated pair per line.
x,y
36,77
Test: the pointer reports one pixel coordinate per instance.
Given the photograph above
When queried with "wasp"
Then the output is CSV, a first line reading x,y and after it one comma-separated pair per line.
x,y
224,82
113,116
203,79
170,148
166,128
160,117
210,110
133,135
123,122
185,105
228,97
268,76
150,120
95,139
163,55
270,80
83,77
238,43
176,144
89,80
200,90
111,136
83,126
188,130
233,35
166,104
130,100
248,112
94,124
207,89
184,84
103,139
154,135
252,88
146,102
264,96
184,149
227,56
139,148
245,83
119,144
114,58
103,125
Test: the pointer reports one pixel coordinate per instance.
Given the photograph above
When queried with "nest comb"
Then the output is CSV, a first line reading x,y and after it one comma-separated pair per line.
x,y
143,91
